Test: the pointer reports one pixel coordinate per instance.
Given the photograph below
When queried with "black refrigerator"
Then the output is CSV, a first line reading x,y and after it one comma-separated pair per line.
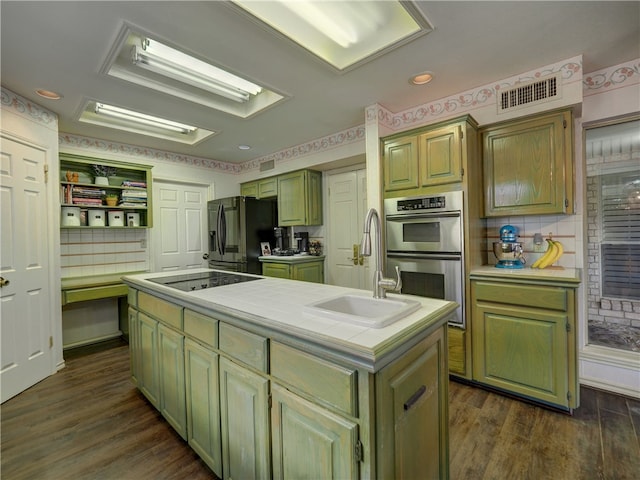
x,y
237,227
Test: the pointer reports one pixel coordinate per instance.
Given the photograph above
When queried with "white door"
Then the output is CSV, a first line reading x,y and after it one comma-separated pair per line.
x,y
24,267
179,235
347,209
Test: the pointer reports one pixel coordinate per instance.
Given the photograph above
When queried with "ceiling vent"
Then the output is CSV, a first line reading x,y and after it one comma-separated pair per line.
x,y
532,93
268,165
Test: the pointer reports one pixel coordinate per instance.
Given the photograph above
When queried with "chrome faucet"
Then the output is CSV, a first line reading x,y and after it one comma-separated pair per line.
x,y
380,283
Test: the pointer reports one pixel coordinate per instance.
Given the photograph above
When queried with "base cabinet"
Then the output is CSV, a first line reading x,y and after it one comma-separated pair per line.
x,y
172,384
148,370
203,404
309,271
244,407
413,398
524,341
254,407
309,441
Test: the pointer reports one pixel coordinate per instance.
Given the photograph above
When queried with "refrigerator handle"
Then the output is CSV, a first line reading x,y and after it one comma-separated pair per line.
x,y
223,230
218,246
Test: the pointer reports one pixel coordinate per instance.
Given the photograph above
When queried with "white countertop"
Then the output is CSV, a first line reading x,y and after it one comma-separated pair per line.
x,y
290,258
558,274
277,304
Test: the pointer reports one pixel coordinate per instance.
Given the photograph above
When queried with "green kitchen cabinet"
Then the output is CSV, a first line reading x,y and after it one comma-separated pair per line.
x,y
440,156
264,188
258,407
173,404
524,340
528,166
412,395
134,345
309,441
428,159
300,198
118,185
400,163
244,408
249,189
309,270
203,403
148,373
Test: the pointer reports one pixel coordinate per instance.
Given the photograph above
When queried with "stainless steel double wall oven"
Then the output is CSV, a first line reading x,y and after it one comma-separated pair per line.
x,y
424,238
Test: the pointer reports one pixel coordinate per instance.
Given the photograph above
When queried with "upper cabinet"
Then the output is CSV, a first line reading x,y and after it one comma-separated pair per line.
x,y
265,188
415,161
121,198
299,196
528,166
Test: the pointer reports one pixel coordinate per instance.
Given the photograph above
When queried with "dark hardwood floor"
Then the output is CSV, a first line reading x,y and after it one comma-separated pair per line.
x,y
89,422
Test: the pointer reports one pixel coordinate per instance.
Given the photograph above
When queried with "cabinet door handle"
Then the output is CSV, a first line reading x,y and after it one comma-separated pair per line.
x,y
414,398
3,282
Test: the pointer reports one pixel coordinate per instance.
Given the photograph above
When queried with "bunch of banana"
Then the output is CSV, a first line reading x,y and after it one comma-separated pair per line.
x,y
551,256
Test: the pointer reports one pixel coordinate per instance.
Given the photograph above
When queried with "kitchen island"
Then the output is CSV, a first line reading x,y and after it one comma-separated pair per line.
x,y
261,388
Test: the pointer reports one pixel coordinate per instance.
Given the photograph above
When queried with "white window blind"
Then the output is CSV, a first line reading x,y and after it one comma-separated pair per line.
x,y
620,248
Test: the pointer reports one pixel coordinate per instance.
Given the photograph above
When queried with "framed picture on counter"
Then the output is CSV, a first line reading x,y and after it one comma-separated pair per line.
x,y
265,248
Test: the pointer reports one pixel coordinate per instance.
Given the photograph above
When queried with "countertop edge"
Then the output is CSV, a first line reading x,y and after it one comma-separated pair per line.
x,y
371,360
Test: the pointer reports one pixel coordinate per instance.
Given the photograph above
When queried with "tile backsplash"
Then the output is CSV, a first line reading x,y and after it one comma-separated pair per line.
x,y
97,251
564,228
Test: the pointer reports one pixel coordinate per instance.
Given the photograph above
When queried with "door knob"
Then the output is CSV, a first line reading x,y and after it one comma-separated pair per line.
x,y
3,282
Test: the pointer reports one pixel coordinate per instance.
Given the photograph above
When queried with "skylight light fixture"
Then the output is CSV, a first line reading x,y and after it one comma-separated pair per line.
x,y
131,121
342,33
169,62
137,117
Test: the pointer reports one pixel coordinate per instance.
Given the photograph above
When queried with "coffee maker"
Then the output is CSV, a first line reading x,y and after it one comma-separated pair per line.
x,y
278,233
303,242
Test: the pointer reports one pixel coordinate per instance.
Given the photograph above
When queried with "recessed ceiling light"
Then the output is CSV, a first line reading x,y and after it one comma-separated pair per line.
x,y
421,78
48,94
244,147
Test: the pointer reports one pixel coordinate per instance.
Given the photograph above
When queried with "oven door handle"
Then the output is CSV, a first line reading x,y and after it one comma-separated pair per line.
x,y
424,256
422,216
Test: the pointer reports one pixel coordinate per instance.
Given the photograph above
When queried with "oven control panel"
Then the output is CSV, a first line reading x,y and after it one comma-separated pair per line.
x,y
424,203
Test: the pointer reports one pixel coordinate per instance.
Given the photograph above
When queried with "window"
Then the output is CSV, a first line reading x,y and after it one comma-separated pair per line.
x,y
620,246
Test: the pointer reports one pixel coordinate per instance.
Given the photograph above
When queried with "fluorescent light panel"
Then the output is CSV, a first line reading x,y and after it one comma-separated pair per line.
x,y
142,118
172,63
342,33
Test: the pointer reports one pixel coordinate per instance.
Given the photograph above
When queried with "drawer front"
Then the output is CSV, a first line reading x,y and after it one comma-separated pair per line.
x,y
94,293
548,298
247,347
164,311
201,327
329,382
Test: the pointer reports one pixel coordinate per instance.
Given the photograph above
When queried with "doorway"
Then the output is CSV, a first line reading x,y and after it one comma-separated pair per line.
x,y
347,207
179,236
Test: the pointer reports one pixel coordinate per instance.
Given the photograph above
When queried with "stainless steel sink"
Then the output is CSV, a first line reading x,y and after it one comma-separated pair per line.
x,y
361,310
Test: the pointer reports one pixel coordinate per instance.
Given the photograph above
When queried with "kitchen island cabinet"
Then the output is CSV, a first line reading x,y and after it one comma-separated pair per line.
x,y
524,334
360,398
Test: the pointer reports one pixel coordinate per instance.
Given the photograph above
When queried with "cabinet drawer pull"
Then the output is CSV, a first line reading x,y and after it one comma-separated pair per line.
x,y
414,398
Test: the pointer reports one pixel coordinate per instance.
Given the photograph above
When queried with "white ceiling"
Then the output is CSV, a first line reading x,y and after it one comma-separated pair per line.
x,y
62,46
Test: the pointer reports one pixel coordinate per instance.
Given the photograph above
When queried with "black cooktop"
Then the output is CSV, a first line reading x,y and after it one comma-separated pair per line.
x,y
199,281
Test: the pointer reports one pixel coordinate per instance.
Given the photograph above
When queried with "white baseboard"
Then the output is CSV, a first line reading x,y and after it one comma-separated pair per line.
x,y
610,369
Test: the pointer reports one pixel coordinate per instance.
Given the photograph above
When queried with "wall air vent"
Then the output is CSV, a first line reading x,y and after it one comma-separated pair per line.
x,y
268,165
531,93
